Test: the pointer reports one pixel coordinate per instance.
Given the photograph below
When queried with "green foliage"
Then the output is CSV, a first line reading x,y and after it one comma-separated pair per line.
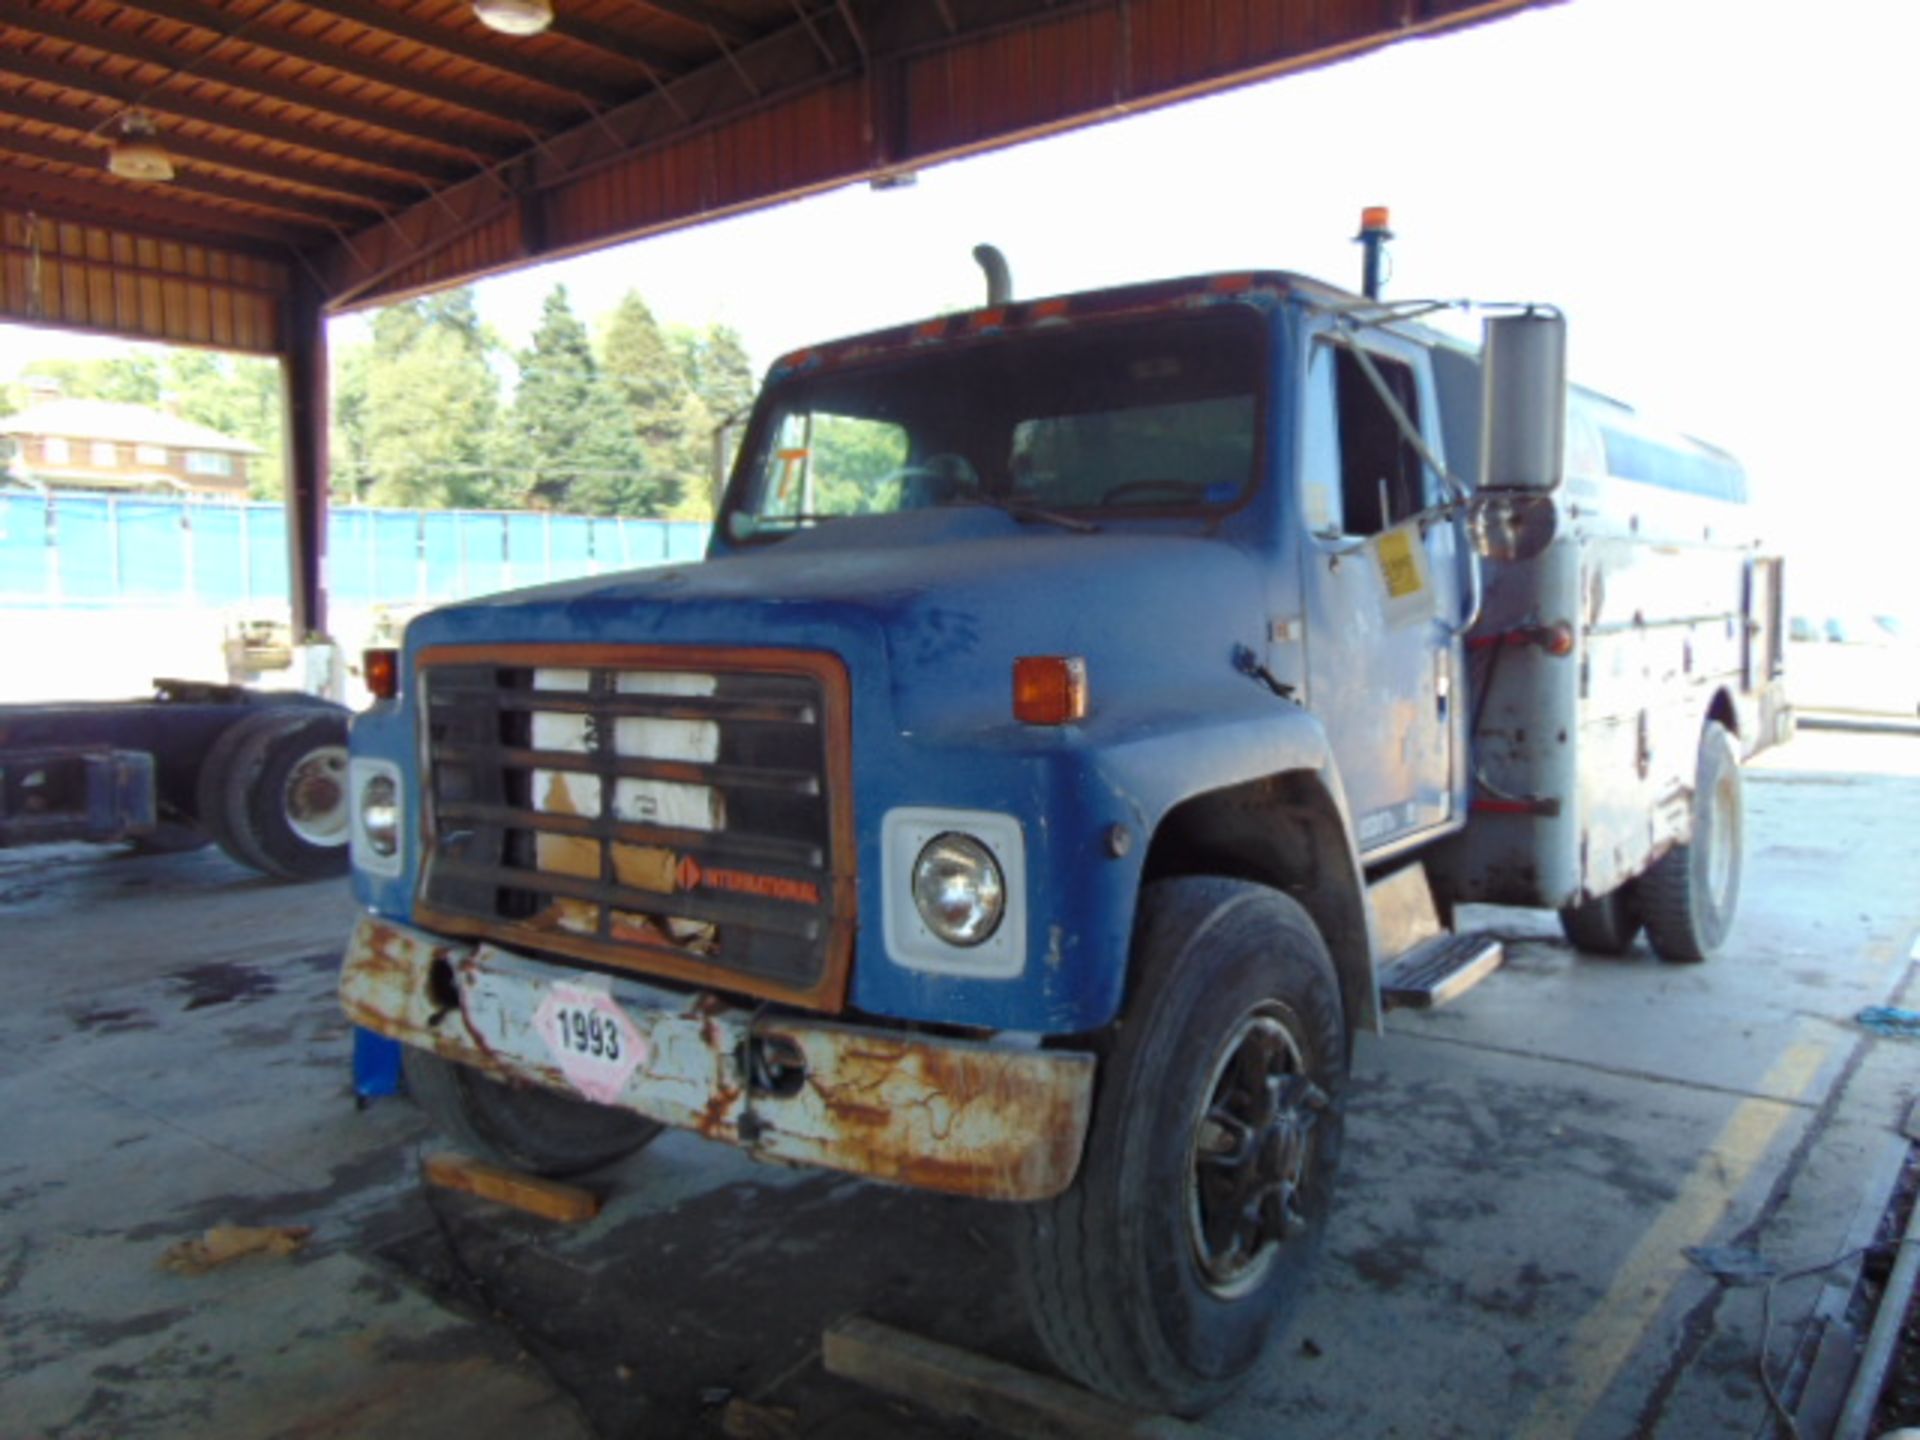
x,y
570,442
718,391
418,420
661,407
625,428
414,410
238,395
133,379
678,385
635,358
715,364
851,457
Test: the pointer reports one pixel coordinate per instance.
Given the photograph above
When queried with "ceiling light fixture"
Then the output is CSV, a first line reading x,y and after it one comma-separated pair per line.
x,y
514,17
137,154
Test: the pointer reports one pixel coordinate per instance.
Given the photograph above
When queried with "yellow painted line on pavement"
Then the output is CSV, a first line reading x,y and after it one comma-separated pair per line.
x,y
1609,1333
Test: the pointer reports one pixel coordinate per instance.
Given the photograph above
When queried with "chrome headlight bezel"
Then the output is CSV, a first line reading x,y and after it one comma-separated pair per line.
x,y
907,835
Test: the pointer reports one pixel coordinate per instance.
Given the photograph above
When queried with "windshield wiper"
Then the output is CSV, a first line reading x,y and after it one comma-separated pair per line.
x,y
1022,510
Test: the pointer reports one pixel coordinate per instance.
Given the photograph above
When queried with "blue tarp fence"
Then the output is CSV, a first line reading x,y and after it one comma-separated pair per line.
x,y
85,549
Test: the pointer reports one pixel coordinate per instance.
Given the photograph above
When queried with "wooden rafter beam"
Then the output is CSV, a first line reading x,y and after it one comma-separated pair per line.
x,y
703,16
404,25
97,203
786,61
598,183
358,190
420,168
53,25
186,182
609,41
202,16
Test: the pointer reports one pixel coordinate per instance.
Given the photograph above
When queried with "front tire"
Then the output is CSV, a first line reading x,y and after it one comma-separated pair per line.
x,y
1183,1246
523,1127
1690,895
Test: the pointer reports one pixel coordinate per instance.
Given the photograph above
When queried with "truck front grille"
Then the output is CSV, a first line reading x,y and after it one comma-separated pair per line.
x,y
680,812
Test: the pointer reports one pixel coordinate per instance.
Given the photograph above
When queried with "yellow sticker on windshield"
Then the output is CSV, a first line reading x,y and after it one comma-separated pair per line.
x,y
1398,568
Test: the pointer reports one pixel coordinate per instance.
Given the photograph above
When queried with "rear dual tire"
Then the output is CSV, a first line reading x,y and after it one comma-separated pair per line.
x,y
273,792
170,837
1605,925
1687,899
1690,895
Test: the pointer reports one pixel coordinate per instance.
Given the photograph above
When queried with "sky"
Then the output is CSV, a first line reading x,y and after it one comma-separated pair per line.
x,y
1717,192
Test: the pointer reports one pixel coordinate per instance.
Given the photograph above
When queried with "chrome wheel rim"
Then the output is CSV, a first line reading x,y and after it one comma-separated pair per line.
x,y
314,798
1252,1149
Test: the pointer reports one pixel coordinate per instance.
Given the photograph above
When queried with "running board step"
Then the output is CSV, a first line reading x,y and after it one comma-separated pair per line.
x,y
1438,970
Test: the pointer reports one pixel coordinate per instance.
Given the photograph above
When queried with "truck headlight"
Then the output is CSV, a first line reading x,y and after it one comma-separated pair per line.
x,y
958,889
953,891
380,814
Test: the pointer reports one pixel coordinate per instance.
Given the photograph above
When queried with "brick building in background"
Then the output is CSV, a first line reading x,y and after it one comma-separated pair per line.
x,y
108,445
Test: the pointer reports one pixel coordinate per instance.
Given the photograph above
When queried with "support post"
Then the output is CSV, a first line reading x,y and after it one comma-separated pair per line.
x,y
303,366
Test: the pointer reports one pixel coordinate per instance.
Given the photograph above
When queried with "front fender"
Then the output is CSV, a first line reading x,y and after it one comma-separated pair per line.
x,y
1159,770
1235,762
1090,800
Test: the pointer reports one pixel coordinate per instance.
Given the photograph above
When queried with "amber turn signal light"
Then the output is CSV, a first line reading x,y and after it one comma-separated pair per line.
x,y
1049,689
382,671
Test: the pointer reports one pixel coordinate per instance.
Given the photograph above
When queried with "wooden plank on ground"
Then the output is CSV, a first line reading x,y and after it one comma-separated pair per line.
x,y
548,1199
957,1382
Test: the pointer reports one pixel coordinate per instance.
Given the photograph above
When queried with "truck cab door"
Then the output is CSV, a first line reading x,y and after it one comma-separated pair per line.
x,y
1383,592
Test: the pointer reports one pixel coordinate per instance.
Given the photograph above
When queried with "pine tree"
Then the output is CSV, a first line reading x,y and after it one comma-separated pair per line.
x,y
648,378
715,363
569,436
726,374
720,388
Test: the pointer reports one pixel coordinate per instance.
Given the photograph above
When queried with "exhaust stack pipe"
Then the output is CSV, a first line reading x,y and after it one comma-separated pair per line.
x,y
999,277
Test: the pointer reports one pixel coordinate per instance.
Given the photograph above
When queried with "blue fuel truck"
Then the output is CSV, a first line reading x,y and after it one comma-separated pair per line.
x,y
1090,715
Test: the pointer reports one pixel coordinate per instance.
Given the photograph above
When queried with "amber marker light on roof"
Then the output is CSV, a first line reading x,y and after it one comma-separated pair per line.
x,y
382,671
1049,689
1373,217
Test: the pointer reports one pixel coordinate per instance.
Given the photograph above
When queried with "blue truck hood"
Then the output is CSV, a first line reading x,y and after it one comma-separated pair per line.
x,y
928,608
928,612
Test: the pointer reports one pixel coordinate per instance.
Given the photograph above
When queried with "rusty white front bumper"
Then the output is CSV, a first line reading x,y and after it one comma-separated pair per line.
x,y
1000,1122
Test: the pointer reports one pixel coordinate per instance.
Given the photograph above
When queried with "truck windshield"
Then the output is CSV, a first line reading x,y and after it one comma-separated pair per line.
x,y
1119,417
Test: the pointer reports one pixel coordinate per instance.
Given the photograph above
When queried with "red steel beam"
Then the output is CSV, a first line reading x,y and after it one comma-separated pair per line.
x,y
831,111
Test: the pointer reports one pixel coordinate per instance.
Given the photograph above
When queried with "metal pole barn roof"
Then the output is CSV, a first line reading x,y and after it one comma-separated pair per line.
x,y
329,154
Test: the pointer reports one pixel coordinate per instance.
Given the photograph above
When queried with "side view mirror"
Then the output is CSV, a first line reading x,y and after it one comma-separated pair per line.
x,y
1523,407
725,441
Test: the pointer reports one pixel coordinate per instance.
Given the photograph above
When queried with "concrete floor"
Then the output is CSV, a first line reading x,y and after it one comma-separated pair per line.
x,y
1524,1170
